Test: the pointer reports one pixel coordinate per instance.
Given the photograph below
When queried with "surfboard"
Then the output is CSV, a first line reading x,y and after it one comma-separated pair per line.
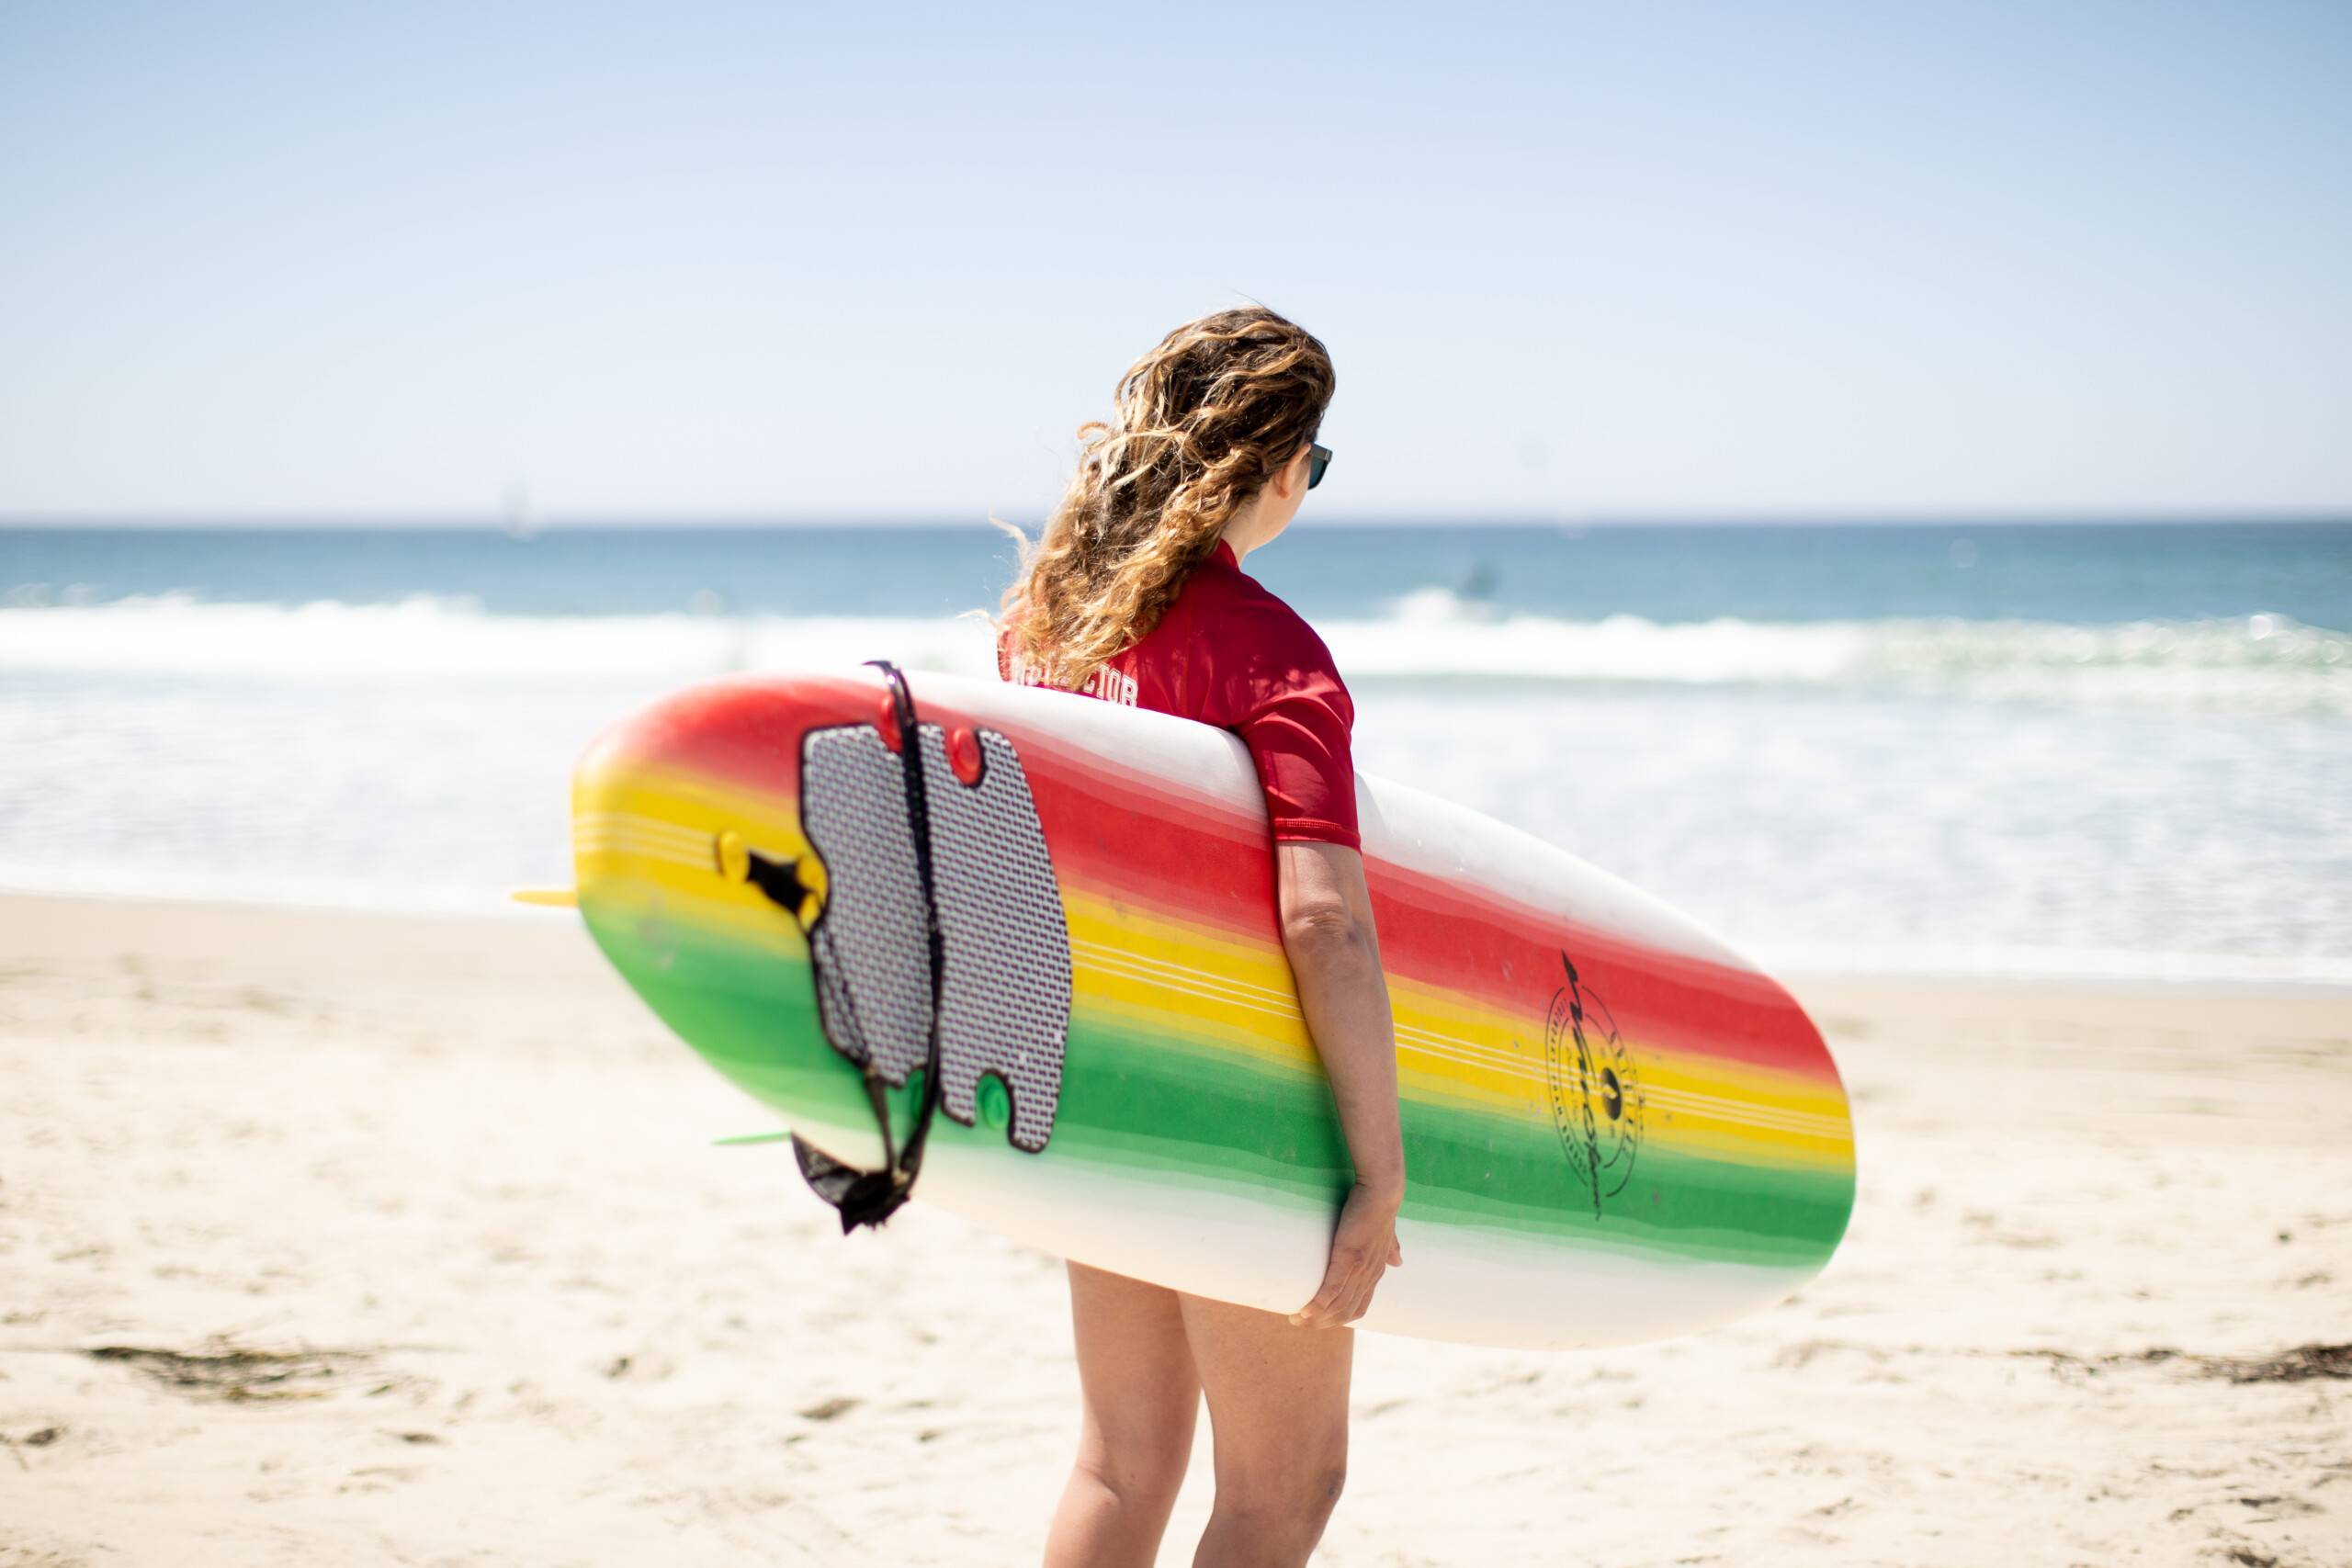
x,y
1615,1128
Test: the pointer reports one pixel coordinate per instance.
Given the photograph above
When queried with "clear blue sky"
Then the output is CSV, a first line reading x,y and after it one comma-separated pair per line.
x,y
862,260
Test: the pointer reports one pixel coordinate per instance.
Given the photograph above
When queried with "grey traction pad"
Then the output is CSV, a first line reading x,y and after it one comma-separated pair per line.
x,y
1004,1003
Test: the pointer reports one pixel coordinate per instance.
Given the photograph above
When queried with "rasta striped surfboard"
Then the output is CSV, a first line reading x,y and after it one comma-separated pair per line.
x,y
1615,1129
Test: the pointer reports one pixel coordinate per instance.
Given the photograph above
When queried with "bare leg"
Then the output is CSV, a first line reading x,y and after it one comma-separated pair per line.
x,y
1134,1369
1278,1404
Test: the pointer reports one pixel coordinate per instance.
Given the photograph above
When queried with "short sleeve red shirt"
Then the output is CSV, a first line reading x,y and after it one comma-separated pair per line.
x,y
1229,653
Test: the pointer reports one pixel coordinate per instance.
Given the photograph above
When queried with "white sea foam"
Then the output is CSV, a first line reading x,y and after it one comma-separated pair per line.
x,y
2260,663
2263,663
430,640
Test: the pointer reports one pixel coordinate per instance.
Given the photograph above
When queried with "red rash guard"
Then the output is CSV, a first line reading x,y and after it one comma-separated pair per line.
x,y
1231,654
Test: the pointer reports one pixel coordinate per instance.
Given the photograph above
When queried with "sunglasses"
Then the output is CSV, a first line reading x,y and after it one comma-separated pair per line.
x,y
1318,458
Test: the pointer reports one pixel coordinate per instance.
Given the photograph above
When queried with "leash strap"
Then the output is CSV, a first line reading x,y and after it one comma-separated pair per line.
x,y
870,1197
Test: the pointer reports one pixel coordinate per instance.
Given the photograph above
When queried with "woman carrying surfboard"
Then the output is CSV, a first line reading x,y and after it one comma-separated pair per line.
x,y
1135,593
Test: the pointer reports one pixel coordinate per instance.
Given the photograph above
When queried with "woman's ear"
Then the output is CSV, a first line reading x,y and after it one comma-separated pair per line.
x,y
1290,476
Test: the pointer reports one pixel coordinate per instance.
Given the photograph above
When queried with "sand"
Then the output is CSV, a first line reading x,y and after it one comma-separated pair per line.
x,y
346,1238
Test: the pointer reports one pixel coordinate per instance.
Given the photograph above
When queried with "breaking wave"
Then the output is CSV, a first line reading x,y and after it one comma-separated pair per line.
x,y
2262,663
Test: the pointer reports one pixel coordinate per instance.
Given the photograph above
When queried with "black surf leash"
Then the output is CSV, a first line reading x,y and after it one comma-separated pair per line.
x,y
870,1197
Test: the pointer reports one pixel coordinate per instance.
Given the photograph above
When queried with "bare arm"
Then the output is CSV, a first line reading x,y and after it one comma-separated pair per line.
x,y
1334,954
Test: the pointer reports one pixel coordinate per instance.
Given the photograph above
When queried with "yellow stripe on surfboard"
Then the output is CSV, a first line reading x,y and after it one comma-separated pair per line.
x,y
1236,996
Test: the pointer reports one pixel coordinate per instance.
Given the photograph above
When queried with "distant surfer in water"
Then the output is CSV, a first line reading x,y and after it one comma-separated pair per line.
x,y
1135,593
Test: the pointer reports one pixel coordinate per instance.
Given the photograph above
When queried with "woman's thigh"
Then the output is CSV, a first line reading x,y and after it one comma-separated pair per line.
x,y
1135,1370
1277,1396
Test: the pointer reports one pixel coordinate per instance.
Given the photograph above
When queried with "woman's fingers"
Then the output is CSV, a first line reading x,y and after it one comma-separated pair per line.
x,y
1361,1303
1363,1246
1337,1274
1349,1281
1318,1313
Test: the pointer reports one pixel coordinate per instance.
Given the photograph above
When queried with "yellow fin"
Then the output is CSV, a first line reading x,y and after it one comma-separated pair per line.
x,y
548,898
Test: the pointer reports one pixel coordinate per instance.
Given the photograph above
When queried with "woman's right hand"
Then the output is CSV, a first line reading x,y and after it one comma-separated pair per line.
x,y
1363,1247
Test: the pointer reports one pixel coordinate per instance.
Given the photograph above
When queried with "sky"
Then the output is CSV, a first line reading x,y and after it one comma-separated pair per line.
x,y
1575,262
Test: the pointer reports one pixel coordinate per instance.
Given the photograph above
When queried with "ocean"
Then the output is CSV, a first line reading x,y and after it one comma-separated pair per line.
x,y
2095,749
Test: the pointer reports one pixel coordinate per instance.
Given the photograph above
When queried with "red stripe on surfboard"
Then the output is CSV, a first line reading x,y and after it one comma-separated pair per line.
x,y
745,732
1660,1001
1466,940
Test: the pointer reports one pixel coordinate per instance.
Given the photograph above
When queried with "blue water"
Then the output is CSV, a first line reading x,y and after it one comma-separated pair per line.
x,y
2096,748
2076,574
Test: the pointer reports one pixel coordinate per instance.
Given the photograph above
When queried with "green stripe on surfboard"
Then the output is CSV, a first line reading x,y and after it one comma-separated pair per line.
x,y
1156,1105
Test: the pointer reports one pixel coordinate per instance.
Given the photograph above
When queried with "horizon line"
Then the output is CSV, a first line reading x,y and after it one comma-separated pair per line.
x,y
481,522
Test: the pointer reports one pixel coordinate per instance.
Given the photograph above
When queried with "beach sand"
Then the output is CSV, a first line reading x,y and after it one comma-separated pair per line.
x,y
347,1238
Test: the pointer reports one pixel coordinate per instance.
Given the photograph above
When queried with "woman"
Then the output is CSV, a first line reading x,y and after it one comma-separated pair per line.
x,y
1135,593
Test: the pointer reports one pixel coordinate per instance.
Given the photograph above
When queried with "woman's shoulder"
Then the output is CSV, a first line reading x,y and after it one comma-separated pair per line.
x,y
1273,625
1264,651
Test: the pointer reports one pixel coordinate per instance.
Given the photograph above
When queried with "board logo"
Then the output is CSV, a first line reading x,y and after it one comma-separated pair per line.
x,y
1597,1100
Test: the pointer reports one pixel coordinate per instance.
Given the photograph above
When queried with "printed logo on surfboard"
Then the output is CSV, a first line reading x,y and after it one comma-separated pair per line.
x,y
1597,1102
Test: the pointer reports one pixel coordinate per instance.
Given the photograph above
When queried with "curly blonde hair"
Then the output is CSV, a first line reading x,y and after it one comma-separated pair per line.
x,y
1204,420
